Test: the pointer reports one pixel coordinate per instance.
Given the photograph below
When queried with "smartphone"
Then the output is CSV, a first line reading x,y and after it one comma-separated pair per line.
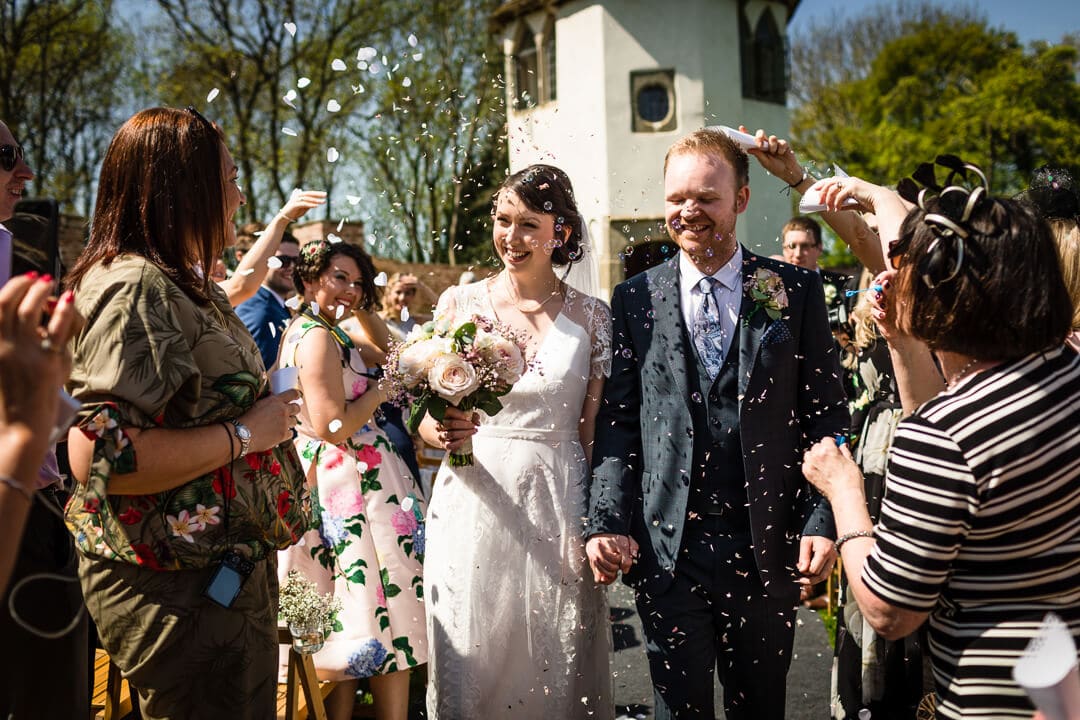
x,y
228,579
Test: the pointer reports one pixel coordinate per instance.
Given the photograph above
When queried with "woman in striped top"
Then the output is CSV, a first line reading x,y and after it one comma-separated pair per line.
x,y
980,525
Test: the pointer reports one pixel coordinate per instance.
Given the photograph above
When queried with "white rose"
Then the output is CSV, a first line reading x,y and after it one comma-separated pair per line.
x,y
509,362
416,359
452,378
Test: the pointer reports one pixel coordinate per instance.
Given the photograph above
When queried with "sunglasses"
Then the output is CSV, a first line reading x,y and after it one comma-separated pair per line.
x,y
285,260
10,155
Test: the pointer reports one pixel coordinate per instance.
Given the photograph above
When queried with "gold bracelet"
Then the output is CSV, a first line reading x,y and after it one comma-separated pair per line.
x,y
851,535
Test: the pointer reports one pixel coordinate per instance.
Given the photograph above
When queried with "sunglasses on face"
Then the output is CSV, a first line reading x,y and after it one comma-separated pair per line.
x,y
10,155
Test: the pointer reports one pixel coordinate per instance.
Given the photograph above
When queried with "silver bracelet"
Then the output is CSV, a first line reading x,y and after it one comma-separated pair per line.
x,y
851,535
13,483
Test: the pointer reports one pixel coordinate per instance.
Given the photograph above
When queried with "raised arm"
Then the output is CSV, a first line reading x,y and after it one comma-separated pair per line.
x,y
252,269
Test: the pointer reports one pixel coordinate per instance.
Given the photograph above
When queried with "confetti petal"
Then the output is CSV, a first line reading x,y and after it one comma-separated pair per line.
x,y
273,263
211,95
294,302
380,279
338,65
407,82
366,53
333,105
412,40
244,273
314,307
357,89
407,504
418,56
404,314
289,131
289,97
334,425
332,154
303,82
290,28
339,312
353,199
332,238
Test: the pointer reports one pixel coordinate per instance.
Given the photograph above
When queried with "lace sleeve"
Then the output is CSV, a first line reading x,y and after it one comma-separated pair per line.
x,y
598,322
447,304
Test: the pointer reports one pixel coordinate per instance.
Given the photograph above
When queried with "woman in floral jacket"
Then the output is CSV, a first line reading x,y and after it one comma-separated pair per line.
x,y
187,481
369,544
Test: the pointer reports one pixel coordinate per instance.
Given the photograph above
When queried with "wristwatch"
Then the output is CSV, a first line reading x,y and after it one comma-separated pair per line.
x,y
243,435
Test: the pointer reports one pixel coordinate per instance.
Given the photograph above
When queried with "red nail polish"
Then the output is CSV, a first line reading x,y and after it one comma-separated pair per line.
x,y
68,297
45,279
32,274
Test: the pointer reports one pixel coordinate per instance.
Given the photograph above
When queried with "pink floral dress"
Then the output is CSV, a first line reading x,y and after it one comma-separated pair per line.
x,y
367,541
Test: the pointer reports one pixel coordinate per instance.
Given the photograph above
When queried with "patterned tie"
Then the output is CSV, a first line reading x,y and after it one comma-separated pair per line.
x,y
708,333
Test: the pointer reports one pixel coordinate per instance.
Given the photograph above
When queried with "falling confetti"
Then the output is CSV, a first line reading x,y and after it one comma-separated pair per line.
x,y
407,82
211,95
332,155
339,65
243,273
289,97
334,425
333,105
404,314
294,302
407,503
314,307
412,40
303,82
365,54
332,238
273,263
289,131
353,199
290,28
339,312
380,279
418,56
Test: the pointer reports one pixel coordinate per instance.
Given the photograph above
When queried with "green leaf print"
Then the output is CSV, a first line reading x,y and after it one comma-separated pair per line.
x,y
354,572
402,644
241,388
384,623
369,481
389,588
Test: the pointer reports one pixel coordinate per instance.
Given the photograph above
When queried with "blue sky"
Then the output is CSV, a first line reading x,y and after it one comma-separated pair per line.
x,y
1030,19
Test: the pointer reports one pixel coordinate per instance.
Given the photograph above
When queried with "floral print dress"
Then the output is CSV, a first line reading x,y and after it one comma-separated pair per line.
x,y
367,546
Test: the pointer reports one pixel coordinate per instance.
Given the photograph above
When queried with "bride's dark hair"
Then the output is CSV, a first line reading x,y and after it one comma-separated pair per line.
x,y
546,189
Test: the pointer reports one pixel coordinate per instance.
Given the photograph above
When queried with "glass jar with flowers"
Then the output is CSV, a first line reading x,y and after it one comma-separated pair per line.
x,y
309,616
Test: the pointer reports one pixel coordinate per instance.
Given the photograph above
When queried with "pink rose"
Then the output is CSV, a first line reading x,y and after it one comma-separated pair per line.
x,y
404,522
369,456
341,502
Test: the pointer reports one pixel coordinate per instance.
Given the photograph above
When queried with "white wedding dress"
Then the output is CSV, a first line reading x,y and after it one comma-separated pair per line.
x,y
517,628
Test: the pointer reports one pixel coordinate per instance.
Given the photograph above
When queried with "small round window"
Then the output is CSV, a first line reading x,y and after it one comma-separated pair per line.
x,y
653,103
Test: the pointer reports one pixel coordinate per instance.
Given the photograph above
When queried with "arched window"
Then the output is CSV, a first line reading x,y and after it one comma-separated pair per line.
x,y
764,58
526,70
548,58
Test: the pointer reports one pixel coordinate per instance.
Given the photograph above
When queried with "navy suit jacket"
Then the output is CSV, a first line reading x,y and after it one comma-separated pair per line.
x,y
790,396
260,312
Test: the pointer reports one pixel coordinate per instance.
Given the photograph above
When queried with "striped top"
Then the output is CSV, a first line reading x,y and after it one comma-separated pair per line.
x,y
981,525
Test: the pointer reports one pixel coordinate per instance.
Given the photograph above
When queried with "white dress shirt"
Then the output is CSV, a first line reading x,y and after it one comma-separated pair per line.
x,y
728,294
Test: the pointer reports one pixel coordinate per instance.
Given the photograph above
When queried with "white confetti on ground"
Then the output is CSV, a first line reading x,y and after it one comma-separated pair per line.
x,y
211,95
334,425
333,105
303,82
332,154
338,65
273,263
290,28
380,279
289,131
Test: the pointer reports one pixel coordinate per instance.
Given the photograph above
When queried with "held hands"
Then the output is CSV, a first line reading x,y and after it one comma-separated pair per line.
x,y
271,420
300,202
609,554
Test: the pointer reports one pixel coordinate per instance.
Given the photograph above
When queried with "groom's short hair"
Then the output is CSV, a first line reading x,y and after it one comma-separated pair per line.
x,y
713,142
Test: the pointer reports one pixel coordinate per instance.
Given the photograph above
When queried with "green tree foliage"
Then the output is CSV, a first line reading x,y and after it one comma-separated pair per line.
x,y
62,75
905,86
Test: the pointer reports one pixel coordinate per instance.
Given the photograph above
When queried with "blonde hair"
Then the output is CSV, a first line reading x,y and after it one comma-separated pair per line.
x,y
713,142
1066,234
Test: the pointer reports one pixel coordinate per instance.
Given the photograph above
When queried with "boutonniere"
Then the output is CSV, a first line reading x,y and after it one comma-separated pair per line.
x,y
830,293
767,291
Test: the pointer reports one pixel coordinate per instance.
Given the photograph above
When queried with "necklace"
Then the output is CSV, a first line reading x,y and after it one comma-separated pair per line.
x,y
515,298
963,372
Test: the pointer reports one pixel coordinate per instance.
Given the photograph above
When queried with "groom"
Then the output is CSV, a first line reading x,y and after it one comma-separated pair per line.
x,y
723,373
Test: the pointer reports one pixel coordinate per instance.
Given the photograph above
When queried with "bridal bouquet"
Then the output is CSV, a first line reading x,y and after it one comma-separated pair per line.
x,y
469,366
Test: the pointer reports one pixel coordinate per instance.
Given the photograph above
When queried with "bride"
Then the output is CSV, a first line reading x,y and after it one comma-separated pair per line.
x,y
516,625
